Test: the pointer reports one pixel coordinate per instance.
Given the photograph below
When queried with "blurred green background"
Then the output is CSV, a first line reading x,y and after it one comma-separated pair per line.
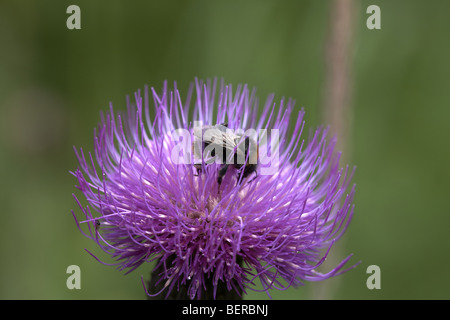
x,y
54,81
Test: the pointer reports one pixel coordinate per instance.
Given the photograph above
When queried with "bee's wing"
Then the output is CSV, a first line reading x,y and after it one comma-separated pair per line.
x,y
247,150
241,150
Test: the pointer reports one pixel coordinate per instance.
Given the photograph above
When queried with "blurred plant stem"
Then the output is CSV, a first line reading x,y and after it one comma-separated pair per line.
x,y
336,104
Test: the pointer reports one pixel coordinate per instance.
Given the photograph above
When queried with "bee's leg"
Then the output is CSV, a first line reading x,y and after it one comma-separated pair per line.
x,y
222,171
247,172
256,176
198,167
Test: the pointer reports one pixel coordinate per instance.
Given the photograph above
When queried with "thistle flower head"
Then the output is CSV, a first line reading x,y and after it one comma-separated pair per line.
x,y
148,199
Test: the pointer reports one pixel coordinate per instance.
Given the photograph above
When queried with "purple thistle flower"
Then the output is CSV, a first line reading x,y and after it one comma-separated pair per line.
x,y
273,227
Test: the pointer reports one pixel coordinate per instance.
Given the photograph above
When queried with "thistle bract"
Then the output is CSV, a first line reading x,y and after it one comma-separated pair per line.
x,y
276,225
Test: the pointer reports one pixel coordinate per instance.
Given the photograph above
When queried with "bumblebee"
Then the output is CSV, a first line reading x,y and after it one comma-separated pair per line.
x,y
219,143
